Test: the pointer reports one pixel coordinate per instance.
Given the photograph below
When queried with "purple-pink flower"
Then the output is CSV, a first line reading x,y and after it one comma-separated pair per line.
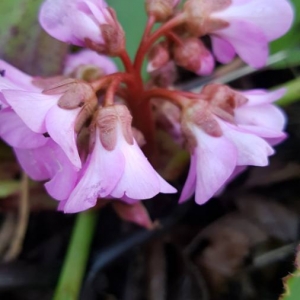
x,y
244,27
116,167
227,130
86,23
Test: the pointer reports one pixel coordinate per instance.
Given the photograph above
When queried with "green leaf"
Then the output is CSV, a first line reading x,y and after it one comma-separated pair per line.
x,y
24,44
292,282
8,187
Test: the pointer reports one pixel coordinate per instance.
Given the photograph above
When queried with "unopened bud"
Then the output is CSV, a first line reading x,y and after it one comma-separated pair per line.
x,y
198,16
161,9
194,56
158,57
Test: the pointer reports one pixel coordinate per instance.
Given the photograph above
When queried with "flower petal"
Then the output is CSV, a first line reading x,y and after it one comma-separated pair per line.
x,y
213,166
101,173
14,131
31,107
248,41
60,125
251,149
223,50
139,180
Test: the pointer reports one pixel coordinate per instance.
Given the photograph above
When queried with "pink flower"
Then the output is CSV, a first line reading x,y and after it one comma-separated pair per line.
x,y
116,166
82,22
226,132
240,26
89,59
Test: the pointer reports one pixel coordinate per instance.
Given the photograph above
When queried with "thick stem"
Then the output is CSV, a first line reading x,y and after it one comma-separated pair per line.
x,y
127,62
72,273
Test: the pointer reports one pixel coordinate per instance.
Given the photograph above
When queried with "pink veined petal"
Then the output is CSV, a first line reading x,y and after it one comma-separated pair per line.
x,y
248,41
31,107
14,131
222,49
190,183
102,172
17,77
63,173
89,57
216,159
251,149
97,9
32,162
258,97
268,116
139,180
273,17
60,125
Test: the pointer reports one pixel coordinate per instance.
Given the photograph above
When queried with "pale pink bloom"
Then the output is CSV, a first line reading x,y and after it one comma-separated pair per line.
x,y
222,149
116,168
244,27
74,21
49,162
41,114
88,57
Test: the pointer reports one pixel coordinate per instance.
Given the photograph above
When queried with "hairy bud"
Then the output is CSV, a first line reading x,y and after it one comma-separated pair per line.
x,y
161,9
158,57
193,56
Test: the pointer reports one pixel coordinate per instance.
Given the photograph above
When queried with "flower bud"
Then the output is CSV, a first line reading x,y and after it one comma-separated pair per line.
x,y
161,9
193,55
158,57
198,16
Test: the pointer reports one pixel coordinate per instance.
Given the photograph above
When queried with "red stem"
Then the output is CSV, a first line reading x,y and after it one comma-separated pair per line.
x,y
126,61
147,43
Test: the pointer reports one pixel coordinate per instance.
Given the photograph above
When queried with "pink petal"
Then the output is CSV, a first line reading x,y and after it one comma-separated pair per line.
x,y
102,171
268,116
31,107
14,131
251,149
60,125
213,165
89,57
63,173
223,50
258,97
139,180
248,41
190,183
32,162
64,20
273,17
16,77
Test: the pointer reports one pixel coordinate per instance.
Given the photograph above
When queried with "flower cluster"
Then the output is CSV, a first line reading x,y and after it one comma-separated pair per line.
x,y
81,131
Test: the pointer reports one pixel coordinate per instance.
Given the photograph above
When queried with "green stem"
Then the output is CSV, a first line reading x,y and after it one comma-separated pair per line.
x,y
293,92
73,269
